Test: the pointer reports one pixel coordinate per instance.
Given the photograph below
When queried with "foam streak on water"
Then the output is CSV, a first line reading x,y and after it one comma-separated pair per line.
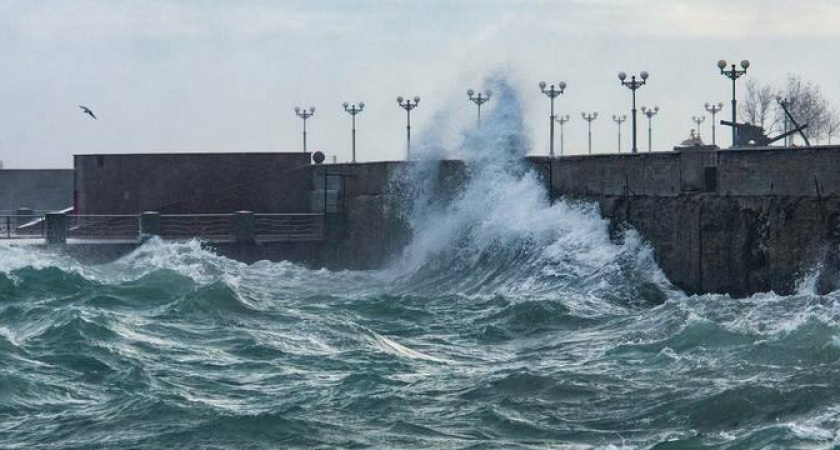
x,y
508,322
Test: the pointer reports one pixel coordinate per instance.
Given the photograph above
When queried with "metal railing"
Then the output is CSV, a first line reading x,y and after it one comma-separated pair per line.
x,y
216,227
240,227
21,226
289,227
107,227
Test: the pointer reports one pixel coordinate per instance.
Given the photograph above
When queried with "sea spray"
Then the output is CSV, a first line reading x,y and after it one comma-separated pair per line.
x,y
499,233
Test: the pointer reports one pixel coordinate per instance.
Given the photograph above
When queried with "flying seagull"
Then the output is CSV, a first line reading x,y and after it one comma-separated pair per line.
x,y
87,111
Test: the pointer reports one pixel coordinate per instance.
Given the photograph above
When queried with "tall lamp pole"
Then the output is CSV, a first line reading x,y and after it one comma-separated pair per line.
x,y
304,114
634,85
408,105
713,110
619,120
733,74
589,118
650,112
562,121
552,93
479,100
698,120
353,110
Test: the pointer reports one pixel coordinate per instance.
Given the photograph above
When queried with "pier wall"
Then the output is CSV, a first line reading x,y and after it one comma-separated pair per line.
x,y
37,189
192,183
727,221
724,221
371,224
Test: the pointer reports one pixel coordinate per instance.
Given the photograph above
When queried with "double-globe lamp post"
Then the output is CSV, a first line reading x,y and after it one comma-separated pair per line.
x,y
408,105
552,93
713,109
733,74
618,121
304,114
589,118
634,85
479,100
353,110
650,112
562,121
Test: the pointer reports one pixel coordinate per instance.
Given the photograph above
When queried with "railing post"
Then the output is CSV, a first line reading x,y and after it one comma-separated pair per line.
x,y
244,227
24,216
149,225
56,228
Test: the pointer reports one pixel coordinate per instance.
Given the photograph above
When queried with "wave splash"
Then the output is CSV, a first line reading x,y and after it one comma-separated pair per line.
x,y
500,234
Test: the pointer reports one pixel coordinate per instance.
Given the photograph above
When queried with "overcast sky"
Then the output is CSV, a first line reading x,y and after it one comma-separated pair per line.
x,y
213,75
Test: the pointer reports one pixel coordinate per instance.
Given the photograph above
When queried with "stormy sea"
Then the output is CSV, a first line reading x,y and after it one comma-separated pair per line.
x,y
509,321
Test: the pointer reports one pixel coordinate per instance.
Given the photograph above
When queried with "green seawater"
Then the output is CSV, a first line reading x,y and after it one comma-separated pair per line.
x,y
175,347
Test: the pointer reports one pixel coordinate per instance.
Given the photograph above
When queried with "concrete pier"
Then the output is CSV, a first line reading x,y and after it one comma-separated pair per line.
x,y
722,221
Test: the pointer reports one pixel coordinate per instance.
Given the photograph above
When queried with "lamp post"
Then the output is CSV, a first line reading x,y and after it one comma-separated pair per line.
x,y
408,105
479,100
353,110
619,120
634,85
733,74
304,114
562,121
589,118
713,110
552,93
698,120
786,105
650,112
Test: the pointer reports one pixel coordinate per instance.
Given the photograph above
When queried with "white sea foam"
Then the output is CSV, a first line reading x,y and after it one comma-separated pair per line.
x,y
504,208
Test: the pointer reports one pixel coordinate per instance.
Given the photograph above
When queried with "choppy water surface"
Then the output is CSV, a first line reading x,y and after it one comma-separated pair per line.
x,y
507,323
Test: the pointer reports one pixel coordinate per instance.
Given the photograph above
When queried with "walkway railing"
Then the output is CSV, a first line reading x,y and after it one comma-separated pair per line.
x,y
119,227
243,227
218,227
14,226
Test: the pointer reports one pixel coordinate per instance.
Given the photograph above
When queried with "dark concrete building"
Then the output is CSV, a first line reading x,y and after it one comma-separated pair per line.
x,y
37,189
191,183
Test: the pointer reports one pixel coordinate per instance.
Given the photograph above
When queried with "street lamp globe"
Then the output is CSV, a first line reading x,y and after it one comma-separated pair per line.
x,y
622,76
417,99
722,64
470,92
297,109
644,75
745,64
542,85
400,99
488,93
361,105
562,85
345,104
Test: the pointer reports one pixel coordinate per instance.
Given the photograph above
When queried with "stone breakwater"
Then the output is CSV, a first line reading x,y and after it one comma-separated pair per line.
x,y
720,221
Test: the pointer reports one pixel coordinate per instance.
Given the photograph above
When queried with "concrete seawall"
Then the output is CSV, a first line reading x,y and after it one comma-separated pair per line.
x,y
38,189
731,221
